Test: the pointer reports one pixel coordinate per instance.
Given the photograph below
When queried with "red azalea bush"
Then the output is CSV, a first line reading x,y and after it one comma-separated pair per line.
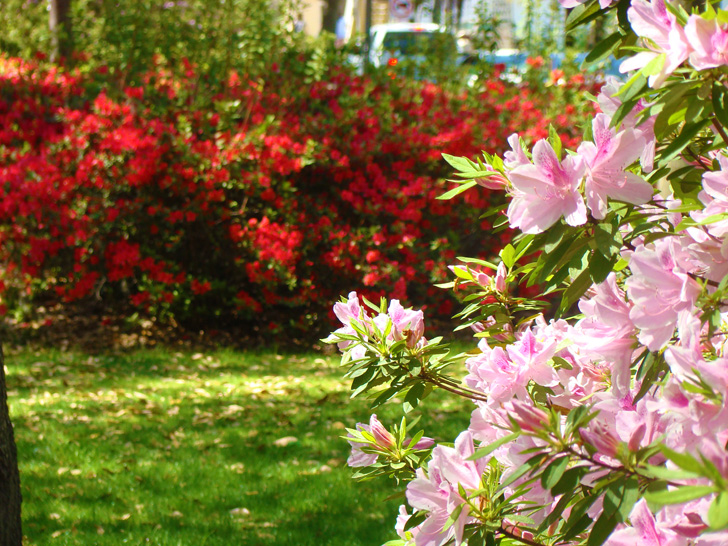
x,y
262,207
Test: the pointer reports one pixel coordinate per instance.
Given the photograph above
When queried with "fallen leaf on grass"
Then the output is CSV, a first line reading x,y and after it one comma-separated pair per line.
x,y
283,442
239,512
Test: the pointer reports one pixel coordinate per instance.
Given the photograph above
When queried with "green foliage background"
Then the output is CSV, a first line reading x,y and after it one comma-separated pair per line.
x,y
215,34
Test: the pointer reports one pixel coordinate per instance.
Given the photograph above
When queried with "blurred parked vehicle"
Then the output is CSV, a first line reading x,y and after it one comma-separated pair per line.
x,y
413,42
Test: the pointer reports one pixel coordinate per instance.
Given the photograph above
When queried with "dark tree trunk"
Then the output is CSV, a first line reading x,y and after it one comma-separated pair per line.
x,y
61,30
10,530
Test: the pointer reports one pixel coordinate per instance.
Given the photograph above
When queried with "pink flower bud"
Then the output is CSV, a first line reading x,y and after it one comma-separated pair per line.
x,y
529,417
600,438
495,181
416,329
500,278
381,435
482,279
477,327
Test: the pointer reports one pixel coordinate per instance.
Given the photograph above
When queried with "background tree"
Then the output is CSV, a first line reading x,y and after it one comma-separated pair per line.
x,y
10,499
61,29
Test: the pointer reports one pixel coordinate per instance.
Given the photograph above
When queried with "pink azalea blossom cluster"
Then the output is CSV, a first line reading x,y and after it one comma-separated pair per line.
x,y
401,324
661,306
598,349
547,188
702,41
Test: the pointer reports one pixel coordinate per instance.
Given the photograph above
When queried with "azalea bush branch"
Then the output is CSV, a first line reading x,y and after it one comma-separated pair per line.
x,y
510,534
448,386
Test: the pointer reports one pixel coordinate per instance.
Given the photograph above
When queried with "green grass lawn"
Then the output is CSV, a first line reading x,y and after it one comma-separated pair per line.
x,y
225,448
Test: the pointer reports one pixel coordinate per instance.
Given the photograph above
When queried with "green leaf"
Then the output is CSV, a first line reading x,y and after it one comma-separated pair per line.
x,y
385,396
720,106
619,499
654,67
461,164
569,481
718,512
556,513
602,50
525,468
608,238
582,14
464,186
415,519
600,267
555,141
478,262
462,273
413,396
576,290
602,529
695,110
508,255
553,472
689,131
679,495
634,86
487,450
683,460
578,518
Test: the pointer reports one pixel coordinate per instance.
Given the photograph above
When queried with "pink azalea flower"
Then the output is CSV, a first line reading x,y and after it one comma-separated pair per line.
x,y
430,492
349,310
406,323
709,42
609,103
687,519
664,35
644,531
715,198
601,438
639,427
709,251
517,156
606,160
546,190
606,331
409,535
703,416
346,312
660,288
504,374
488,424
438,493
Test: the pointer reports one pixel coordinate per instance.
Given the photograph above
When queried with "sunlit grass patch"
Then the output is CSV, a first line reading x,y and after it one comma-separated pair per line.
x,y
168,447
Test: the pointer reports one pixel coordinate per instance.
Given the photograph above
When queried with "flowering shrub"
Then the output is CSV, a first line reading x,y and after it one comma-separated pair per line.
x,y
602,420
281,194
